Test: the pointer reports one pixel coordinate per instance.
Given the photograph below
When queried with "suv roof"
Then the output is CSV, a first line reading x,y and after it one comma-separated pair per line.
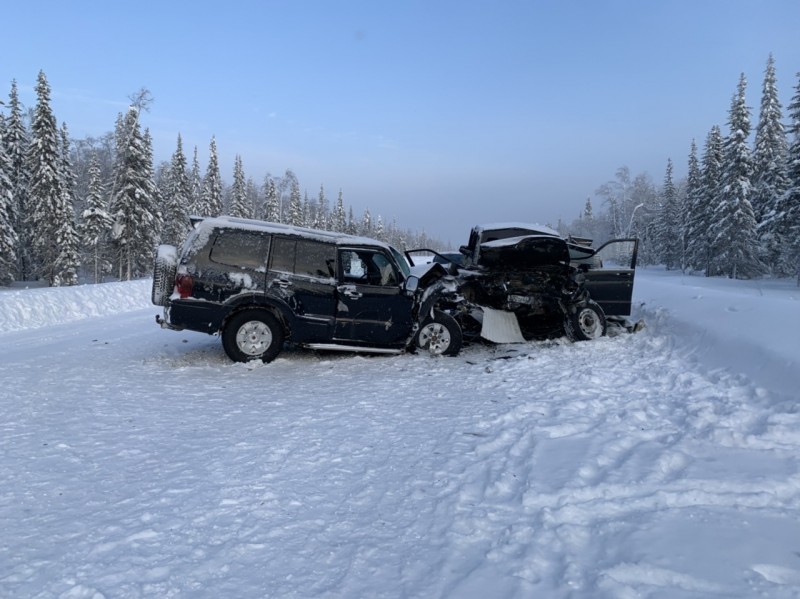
x,y
247,224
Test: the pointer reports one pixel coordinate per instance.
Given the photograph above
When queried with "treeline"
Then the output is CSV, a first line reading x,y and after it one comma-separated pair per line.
x,y
737,212
96,208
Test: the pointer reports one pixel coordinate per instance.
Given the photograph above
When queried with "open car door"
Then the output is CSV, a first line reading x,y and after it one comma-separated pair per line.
x,y
609,276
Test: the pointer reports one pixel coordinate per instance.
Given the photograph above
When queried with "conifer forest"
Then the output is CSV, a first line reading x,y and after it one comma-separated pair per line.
x,y
95,209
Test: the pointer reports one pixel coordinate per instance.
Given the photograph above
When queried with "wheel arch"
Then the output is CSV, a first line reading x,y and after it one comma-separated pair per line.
x,y
282,312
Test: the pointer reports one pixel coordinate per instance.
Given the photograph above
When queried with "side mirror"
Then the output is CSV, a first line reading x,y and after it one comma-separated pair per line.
x,y
412,284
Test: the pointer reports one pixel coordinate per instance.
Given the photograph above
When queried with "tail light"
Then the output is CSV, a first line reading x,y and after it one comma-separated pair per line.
x,y
184,284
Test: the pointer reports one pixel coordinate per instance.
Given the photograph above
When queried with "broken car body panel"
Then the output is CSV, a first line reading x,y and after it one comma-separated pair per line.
x,y
546,283
608,270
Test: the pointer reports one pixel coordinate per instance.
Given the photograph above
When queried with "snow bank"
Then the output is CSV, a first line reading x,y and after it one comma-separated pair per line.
x,y
746,327
34,308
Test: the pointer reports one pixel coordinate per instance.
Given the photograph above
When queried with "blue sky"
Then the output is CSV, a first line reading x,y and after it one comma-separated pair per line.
x,y
440,114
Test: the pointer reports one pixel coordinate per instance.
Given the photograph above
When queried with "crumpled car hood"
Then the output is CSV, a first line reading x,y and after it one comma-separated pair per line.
x,y
527,252
428,272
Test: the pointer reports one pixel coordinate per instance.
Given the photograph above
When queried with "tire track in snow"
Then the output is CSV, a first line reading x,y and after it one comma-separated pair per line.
x,y
568,456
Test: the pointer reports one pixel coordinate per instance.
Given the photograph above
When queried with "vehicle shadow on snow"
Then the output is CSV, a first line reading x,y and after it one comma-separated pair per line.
x,y
206,352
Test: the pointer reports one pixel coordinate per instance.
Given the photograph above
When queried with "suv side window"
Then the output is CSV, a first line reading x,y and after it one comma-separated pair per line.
x,y
315,259
303,257
244,249
283,254
367,267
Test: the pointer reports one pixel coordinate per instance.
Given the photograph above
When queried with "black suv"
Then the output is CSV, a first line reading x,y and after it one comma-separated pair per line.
x,y
258,284
520,281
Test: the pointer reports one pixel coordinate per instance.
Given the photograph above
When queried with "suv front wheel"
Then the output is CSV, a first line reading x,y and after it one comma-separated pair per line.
x,y
440,335
252,335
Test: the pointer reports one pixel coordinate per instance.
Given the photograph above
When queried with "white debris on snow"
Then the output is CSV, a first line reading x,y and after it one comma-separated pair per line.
x,y
141,462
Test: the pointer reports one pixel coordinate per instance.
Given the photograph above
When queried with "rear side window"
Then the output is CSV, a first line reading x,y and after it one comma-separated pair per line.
x,y
283,254
315,259
244,249
304,257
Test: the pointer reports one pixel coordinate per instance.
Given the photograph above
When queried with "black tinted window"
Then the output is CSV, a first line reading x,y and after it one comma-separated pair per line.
x,y
283,254
244,249
303,257
315,259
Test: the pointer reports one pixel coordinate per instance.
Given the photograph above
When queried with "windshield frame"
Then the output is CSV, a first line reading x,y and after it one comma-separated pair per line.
x,y
402,263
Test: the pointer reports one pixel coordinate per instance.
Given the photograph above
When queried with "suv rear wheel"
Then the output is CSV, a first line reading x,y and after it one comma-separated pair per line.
x,y
252,335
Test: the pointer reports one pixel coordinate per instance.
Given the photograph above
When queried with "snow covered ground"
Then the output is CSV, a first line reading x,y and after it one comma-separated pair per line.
x,y
137,462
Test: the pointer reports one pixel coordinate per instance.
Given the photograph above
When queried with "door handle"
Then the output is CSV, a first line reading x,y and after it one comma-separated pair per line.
x,y
349,291
283,283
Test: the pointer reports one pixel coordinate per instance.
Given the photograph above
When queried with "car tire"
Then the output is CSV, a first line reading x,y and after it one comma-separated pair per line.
x,y
164,269
252,335
440,335
586,323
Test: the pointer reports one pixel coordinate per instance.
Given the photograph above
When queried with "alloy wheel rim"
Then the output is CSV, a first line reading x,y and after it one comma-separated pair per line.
x,y
435,337
253,338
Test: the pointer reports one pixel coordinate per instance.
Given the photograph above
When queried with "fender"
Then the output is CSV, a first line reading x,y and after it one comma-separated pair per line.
x,y
243,301
431,296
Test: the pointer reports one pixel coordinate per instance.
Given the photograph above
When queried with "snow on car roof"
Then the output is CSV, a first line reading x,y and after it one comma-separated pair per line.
x,y
250,224
508,241
533,227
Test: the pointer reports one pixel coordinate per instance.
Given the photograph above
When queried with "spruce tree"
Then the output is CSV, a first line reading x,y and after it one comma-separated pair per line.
x,y
380,233
44,201
770,179
295,204
97,223
153,199
691,210
788,212
136,222
272,205
321,214
8,236
668,235
769,156
195,187
339,220
177,198
16,141
240,206
365,226
211,203
67,240
735,240
584,225
701,224
253,201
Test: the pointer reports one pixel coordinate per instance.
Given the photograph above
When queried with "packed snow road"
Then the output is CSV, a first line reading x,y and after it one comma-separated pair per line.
x,y
137,462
